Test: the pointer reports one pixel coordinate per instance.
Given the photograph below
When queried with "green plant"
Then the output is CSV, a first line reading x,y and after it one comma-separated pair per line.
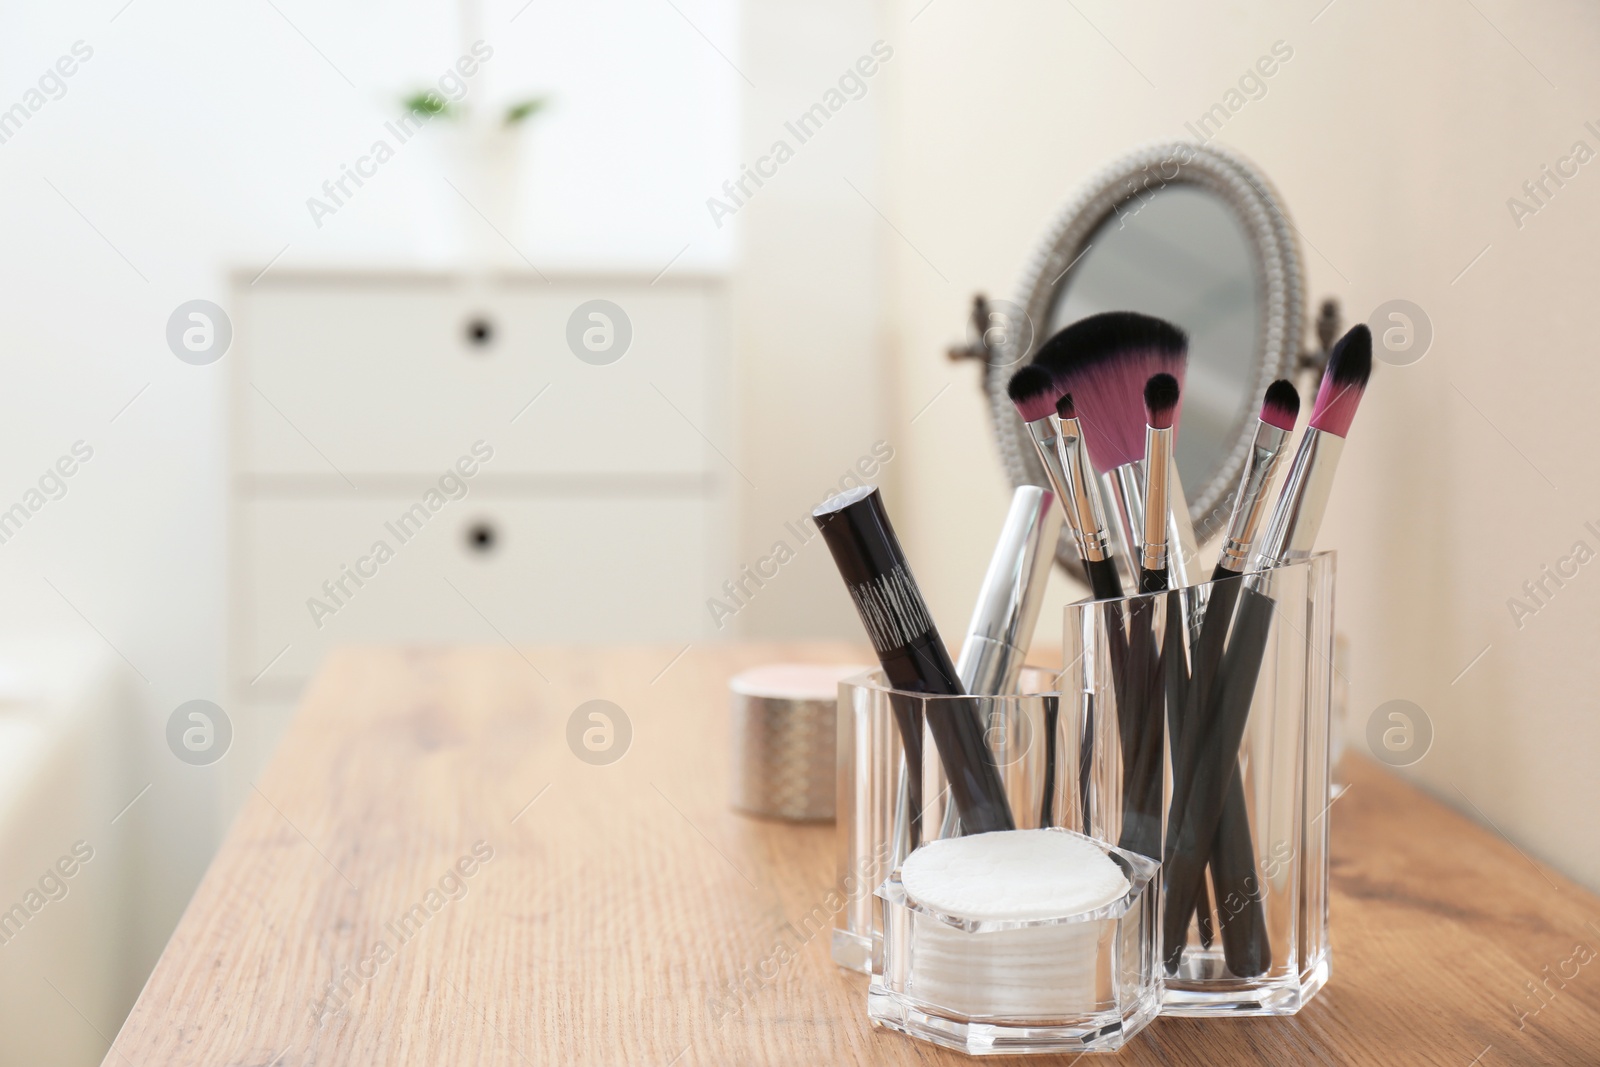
x,y
431,104
524,110
427,102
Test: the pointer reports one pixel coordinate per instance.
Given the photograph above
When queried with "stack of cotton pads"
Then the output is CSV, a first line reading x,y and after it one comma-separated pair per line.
x,y
986,964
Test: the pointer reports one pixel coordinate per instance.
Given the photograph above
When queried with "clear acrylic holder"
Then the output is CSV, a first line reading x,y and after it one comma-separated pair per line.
x,y
1244,882
1085,982
1094,979
874,829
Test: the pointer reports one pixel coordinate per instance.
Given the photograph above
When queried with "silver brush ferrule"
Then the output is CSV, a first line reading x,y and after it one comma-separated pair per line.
x,y
1008,604
1125,486
1158,475
1082,502
1046,435
1292,530
1250,499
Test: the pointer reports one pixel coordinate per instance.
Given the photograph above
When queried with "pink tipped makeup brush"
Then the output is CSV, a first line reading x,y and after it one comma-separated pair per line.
x,y
1291,534
1233,867
1058,440
1292,531
1279,410
1104,362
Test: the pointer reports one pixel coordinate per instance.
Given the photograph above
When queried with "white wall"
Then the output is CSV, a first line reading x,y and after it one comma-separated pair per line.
x,y
813,389
1396,137
187,145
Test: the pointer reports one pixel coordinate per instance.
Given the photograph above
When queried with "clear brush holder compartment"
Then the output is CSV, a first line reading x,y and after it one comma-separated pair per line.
x,y
1241,677
1043,744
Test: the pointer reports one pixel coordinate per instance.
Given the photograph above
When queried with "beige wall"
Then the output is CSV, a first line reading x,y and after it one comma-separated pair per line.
x,y
1395,138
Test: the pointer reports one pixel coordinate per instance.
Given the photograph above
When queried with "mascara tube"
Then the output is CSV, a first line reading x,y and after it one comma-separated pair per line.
x,y
914,659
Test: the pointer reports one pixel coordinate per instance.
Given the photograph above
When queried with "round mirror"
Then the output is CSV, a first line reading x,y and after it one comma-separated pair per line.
x,y
1194,235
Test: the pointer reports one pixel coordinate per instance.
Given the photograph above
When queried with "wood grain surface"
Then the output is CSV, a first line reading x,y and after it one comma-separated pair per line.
x,y
426,835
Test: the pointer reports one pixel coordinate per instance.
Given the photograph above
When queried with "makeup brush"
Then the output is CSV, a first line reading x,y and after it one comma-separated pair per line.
x,y
1104,361
1052,425
914,659
1232,861
1037,399
1103,580
1279,410
1166,662
1291,535
1292,530
1099,562
1161,410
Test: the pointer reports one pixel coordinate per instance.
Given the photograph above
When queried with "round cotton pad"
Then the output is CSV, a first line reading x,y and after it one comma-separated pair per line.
x,y
1013,875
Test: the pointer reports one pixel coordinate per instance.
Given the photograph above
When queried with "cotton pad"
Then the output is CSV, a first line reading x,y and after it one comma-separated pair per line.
x,y
1013,875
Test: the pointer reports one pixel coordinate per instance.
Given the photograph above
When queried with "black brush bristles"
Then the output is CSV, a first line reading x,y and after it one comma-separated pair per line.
x,y
1104,361
1281,406
1344,382
1033,391
1064,407
1161,401
1350,362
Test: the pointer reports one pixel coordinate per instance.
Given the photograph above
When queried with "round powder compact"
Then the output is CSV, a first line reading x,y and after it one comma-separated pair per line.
x,y
1056,966
783,739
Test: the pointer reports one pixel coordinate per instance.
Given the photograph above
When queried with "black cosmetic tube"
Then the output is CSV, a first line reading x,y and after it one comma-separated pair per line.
x,y
869,558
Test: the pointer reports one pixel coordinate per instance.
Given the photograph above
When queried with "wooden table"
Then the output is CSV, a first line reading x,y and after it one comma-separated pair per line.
x,y
607,906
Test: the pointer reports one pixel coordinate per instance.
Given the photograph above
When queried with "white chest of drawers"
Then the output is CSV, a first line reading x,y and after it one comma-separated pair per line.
x,y
427,457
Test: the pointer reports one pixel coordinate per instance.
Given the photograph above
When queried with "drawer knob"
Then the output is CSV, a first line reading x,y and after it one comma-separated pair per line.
x,y
480,332
482,537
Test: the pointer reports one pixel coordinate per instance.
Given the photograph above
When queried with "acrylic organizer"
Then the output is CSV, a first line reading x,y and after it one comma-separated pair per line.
x,y
996,974
1240,671
881,812
1081,980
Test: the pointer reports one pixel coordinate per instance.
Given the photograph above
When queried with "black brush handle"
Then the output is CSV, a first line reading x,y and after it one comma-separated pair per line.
x,y
1245,944
1086,771
908,719
1178,679
1152,581
1202,916
1195,717
1197,707
1103,580
925,667
864,547
1141,818
1140,709
1052,718
1215,764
